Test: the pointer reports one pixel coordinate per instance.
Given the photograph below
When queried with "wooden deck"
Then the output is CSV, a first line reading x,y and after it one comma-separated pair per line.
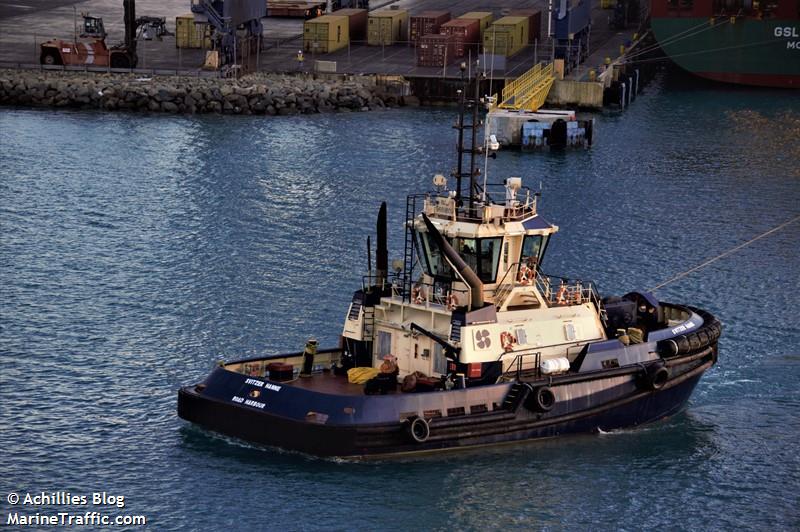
x,y
327,383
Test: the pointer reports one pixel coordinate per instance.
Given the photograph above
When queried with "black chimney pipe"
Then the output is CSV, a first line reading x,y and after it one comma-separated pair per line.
x,y
381,251
129,9
462,267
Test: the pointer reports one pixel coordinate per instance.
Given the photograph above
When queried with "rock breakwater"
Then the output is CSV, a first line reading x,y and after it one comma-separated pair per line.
x,y
268,94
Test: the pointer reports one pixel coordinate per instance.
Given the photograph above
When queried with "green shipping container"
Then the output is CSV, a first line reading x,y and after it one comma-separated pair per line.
x,y
507,36
188,34
387,27
326,34
484,19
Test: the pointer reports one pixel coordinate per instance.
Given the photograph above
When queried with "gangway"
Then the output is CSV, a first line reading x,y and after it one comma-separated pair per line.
x,y
529,91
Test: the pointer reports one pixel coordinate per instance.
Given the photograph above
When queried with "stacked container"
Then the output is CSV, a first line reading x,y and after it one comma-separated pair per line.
x,y
535,22
191,35
507,36
326,34
436,50
466,34
357,21
387,26
484,19
427,23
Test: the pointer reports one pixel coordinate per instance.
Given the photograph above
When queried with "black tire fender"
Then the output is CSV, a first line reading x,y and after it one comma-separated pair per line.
x,y
544,399
657,376
419,429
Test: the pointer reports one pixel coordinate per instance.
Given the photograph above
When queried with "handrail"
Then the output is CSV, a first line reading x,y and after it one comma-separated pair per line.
x,y
518,359
501,293
524,207
528,91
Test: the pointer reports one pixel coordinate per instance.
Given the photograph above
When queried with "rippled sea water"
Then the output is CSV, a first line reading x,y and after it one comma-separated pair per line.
x,y
135,251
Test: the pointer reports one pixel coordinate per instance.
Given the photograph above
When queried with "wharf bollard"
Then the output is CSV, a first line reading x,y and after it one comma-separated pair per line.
x,y
308,357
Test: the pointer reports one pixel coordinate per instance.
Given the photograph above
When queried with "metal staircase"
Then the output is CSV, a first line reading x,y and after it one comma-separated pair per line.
x,y
529,91
516,396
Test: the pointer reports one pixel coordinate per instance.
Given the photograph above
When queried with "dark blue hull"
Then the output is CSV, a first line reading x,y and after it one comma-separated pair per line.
x,y
353,425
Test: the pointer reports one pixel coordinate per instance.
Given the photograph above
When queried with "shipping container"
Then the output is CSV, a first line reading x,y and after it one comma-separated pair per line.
x,y
466,35
357,21
436,50
534,25
189,34
507,36
325,34
426,23
387,27
484,19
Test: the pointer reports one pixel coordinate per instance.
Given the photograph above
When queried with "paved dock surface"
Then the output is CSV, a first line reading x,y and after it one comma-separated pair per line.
x,y
25,24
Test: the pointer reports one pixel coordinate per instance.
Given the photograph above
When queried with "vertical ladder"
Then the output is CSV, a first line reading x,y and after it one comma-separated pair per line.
x,y
408,251
369,324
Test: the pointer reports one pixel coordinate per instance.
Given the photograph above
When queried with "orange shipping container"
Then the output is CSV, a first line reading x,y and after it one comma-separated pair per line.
x,y
435,50
484,19
466,34
427,23
358,22
535,22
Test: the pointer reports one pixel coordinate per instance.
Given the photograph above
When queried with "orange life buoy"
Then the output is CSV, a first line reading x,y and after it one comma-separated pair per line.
x,y
452,302
577,295
507,340
561,296
416,295
523,276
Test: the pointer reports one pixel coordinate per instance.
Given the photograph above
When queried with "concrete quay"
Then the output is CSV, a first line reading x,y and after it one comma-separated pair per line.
x,y
27,23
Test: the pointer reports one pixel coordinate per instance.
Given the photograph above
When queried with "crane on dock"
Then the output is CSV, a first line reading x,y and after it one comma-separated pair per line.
x,y
226,17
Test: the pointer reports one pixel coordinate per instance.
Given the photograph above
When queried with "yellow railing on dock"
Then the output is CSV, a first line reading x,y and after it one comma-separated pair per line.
x,y
529,91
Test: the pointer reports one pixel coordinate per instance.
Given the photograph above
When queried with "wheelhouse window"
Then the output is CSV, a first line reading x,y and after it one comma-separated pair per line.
x,y
480,254
490,258
533,248
435,263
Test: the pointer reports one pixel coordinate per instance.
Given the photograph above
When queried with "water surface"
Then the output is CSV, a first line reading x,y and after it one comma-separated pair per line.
x,y
135,251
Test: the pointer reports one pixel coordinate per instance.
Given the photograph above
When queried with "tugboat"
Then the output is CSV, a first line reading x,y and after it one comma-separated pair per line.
x,y
467,342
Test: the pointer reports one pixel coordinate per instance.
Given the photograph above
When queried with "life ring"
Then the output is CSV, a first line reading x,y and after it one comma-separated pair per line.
x,y
657,376
544,399
522,276
451,302
419,429
507,340
577,296
417,296
561,295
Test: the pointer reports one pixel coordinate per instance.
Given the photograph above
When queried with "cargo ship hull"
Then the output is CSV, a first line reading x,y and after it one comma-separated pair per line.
x,y
747,52
717,41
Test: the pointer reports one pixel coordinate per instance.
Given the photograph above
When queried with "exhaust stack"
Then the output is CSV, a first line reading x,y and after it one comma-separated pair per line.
x,y
381,251
129,8
455,259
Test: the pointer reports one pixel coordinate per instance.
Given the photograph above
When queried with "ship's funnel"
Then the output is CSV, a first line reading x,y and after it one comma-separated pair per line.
x,y
455,259
381,251
129,17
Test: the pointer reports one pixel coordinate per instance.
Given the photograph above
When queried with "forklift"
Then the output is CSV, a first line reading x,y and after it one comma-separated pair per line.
x,y
92,50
